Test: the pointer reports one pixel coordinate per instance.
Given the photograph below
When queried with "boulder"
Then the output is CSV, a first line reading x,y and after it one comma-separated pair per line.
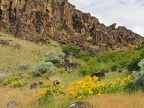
x,y
80,105
99,74
34,86
56,82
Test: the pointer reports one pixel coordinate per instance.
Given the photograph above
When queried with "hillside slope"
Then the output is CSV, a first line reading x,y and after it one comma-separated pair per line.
x,y
16,88
14,52
39,20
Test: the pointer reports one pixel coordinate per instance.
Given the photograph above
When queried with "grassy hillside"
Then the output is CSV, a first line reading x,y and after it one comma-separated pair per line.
x,y
19,57
21,51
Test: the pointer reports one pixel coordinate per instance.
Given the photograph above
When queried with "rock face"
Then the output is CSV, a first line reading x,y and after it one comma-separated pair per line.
x,y
38,20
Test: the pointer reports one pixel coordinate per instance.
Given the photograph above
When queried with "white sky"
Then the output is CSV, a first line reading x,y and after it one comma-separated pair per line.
x,y
129,13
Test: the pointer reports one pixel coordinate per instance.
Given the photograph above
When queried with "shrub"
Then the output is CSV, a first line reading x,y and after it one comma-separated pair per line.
x,y
42,68
6,81
24,65
91,86
70,48
84,55
15,81
51,90
87,86
138,76
54,57
19,83
61,55
110,60
141,64
87,70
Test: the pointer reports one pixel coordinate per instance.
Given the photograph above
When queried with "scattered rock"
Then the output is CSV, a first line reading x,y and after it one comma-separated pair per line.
x,y
5,42
34,86
67,65
40,83
120,71
56,82
99,74
9,43
80,105
12,104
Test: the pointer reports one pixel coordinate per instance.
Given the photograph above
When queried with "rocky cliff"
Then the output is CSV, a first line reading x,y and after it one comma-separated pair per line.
x,y
39,20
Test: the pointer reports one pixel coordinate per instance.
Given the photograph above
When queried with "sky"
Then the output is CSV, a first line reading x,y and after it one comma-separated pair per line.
x,y
128,13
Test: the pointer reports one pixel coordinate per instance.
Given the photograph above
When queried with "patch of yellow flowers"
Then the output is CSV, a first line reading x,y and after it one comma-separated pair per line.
x,y
91,86
88,86
83,87
14,82
19,83
41,92
51,90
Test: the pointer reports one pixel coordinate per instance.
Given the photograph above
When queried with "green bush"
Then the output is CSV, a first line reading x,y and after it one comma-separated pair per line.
x,y
138,76
69,48
110,60
85,70
42,68
84,55
54,57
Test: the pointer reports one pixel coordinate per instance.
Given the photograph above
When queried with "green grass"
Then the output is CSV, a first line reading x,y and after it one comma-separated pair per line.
x,y
113,75
67,78
111,61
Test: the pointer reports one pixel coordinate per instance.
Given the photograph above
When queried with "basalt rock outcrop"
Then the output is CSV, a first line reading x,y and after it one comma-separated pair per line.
x,y
39,20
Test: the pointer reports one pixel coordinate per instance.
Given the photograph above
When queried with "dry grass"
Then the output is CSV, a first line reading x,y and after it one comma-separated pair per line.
x,y
22,95
26,96
118,101
10,58
29,52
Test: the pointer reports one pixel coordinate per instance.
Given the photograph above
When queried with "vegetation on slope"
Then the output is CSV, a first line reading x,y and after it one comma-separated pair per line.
x,y
111,61
20,57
